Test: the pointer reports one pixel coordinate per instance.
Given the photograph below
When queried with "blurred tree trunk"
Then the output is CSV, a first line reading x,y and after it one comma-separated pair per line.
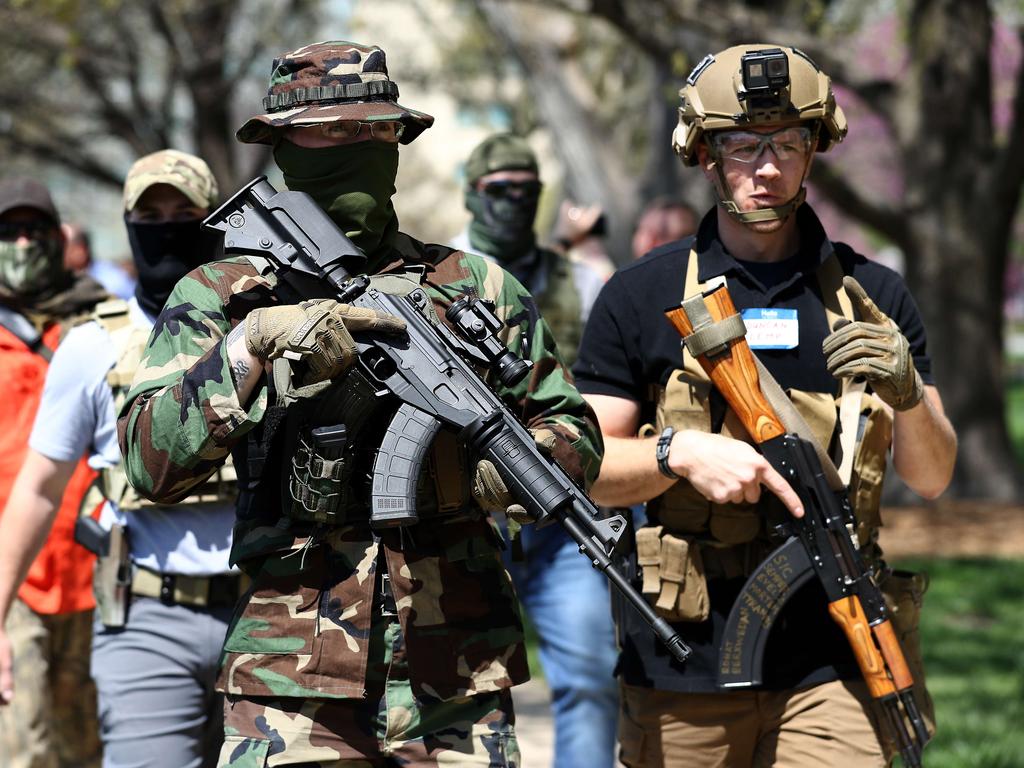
x,y
108,82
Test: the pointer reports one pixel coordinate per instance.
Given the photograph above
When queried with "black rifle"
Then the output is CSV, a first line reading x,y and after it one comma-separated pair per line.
x,y
430,372
818,544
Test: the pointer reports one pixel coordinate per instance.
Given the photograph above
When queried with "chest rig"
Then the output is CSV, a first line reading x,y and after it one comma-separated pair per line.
x,y
129,342
310,460
561,307
853,427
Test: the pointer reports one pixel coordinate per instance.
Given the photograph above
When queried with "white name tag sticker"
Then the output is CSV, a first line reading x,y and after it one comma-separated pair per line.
x,y
772,328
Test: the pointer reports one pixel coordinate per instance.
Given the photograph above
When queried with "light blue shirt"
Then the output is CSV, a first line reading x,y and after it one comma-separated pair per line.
x,y
76,416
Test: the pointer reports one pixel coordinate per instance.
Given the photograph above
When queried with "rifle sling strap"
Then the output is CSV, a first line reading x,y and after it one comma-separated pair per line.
x,y
25,332
708,337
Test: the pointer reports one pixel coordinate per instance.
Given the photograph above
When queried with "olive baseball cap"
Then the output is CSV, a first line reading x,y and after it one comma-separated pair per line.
x,y
187,173
22,192
331,81
500,152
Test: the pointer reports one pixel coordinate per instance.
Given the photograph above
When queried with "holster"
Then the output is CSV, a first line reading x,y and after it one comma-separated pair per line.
x,y
112,580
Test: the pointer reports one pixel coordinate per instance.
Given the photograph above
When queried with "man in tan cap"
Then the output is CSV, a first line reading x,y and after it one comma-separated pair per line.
x,y
163,585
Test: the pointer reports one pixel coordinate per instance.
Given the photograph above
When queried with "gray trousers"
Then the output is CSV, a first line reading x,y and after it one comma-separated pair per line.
x,y
155,678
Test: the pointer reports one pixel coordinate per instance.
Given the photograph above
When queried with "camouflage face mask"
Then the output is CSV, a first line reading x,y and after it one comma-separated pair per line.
x,y
29,268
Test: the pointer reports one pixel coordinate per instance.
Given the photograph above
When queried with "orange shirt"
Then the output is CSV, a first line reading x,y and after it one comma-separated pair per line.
x,y
60,579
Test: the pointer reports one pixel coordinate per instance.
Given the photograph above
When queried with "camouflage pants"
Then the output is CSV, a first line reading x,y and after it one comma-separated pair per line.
x,y
52,721
390,727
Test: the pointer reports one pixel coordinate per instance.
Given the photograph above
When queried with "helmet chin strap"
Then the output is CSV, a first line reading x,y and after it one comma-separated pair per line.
x,y
776,213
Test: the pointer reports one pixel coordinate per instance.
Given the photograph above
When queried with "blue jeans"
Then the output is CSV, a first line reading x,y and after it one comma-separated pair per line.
x,y
567,600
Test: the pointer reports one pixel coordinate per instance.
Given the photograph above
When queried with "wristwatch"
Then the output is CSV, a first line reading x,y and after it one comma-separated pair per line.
x,y
661,454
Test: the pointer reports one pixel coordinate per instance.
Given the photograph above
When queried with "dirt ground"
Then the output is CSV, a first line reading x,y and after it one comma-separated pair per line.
x,y
954,529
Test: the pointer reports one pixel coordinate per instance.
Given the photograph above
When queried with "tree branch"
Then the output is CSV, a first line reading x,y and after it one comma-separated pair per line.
x,y
64,149
887,220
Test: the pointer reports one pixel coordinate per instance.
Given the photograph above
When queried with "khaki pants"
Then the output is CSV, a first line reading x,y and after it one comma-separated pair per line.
x,y
52,721
825,725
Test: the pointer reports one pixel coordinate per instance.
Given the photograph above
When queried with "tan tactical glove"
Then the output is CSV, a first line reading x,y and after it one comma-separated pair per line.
x,y
490,490
874,348
316,333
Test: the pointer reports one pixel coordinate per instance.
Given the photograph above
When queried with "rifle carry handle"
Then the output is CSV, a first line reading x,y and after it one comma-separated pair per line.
x,y
733,372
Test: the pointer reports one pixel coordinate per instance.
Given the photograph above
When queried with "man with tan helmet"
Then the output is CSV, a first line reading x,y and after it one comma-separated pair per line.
x,y
164,589
844,337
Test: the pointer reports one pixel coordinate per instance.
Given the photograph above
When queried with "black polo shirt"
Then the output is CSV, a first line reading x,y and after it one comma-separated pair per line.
x,y
628,344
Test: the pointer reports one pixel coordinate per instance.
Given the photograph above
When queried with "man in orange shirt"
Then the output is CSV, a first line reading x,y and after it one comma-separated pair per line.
x,y
52,722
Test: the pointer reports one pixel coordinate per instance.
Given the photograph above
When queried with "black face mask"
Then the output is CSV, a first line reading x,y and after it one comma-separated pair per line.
x,y
164,253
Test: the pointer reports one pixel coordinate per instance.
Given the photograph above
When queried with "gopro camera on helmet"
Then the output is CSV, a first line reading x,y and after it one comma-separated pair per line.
x,y
765,72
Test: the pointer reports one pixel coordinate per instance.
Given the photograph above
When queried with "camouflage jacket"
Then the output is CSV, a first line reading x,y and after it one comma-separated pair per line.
x,y
303,627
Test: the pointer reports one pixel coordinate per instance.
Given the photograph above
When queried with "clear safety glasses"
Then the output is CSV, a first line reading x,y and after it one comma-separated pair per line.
x,y
790,143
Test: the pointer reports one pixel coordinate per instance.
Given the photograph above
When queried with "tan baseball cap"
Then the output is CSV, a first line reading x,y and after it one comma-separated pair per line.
x,y
187,173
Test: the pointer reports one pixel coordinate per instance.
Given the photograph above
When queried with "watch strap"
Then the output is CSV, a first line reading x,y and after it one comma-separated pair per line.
x,y
661,452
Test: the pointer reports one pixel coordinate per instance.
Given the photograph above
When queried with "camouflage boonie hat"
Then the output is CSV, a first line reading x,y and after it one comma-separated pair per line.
x,y
325,82
500,152
187,173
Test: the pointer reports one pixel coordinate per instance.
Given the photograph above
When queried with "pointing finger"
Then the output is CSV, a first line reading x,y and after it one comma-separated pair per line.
x,y
777,484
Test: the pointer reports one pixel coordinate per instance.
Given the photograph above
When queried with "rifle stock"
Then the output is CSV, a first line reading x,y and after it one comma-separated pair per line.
x,y
734,373
855,601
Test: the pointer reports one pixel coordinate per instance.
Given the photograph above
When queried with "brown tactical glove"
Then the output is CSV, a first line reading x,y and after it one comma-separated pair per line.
x,y
490,490
873,348
316,333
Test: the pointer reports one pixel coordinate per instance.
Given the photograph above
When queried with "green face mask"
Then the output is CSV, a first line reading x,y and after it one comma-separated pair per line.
x,y
353,183
502,228
28,269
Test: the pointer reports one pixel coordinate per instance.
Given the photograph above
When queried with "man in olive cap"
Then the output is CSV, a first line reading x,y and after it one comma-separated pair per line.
x,y
53,720
565,598
163,618
352,646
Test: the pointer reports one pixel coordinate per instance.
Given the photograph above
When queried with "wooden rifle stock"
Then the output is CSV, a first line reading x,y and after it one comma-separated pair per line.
x,y
734,373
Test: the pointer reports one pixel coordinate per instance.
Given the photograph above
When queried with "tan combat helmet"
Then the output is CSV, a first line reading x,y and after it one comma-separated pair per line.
x,y
756,85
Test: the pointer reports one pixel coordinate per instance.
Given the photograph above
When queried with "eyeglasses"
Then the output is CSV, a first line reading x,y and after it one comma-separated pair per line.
x,y
388,131
791,143
33,229
515,189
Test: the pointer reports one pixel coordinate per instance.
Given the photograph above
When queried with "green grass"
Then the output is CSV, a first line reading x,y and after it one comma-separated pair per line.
x,y
532,647
972,631
1015,417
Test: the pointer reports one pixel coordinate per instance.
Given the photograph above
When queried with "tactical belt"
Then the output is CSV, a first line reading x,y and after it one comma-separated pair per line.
x,y
251,503
194,591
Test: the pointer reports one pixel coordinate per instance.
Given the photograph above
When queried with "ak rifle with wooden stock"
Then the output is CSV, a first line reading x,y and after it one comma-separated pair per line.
x,y
821,543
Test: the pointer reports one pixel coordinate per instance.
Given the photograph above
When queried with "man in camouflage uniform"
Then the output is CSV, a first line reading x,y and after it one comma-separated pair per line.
x,y
565,598
353,646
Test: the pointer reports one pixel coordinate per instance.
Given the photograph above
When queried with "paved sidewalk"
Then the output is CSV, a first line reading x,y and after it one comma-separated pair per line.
x,y
534,728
